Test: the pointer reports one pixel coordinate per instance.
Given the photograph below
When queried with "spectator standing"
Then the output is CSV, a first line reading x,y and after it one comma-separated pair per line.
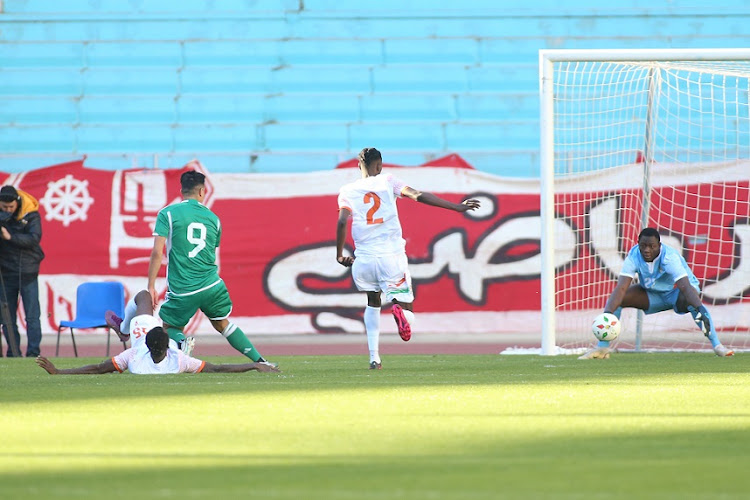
x,y
20,256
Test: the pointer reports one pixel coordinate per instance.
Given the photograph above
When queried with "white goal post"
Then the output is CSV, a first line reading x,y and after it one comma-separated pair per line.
x,y
637,138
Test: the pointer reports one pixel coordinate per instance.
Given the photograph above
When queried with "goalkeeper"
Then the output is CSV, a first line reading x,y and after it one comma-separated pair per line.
x,y
665,282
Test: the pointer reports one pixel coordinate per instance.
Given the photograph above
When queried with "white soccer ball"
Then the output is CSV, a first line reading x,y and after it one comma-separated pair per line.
x,y
606,326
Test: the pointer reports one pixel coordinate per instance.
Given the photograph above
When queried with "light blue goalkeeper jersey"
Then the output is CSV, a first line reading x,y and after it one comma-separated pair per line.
x,y
661,274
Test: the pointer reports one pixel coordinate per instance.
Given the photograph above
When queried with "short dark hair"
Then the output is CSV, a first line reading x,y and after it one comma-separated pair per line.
x,y
368,155
157,340
191,180
649,232
8,194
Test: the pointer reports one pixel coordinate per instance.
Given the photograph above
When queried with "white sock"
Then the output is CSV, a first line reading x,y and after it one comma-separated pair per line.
x,y
128,315
372,327
409,317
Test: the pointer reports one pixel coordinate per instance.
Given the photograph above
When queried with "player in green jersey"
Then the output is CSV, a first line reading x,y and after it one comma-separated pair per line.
x,y
191,233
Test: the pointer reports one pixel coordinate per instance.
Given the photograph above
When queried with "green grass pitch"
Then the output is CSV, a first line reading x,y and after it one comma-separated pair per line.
x,y
662,426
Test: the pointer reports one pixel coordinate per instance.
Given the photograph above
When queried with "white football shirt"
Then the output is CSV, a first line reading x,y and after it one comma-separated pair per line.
x,y
376,229
140,326
138,360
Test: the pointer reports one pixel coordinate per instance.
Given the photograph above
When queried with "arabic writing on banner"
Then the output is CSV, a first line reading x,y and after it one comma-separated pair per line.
x,y
472,272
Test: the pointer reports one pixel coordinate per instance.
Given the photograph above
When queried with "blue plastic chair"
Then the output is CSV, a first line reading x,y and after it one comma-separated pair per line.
x,y
92,301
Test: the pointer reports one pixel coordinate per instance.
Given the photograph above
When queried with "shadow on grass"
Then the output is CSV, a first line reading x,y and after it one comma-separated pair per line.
x,y
677,465
22,381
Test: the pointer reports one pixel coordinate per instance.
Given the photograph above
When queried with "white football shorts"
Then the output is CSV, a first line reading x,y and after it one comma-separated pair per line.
x,y
388,274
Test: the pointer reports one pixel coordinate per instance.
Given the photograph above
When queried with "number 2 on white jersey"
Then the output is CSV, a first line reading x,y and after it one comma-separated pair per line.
x,y
198,240
375,199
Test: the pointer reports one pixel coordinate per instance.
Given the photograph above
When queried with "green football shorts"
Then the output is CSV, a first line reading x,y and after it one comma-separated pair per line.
x,y
214,302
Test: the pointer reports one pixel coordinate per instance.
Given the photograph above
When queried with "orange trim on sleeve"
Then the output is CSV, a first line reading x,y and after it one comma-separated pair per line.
x,y
404,189
344,206
203,364
116,367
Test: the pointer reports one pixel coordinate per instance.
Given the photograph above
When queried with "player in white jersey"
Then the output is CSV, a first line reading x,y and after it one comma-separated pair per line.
x,y
151,350
138,319
665,282
154,356
379,264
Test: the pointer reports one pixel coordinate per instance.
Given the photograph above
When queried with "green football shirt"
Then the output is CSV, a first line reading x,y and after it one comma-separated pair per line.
x,y
193,234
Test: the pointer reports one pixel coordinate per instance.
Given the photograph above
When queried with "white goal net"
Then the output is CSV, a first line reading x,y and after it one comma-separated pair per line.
x,y
632,139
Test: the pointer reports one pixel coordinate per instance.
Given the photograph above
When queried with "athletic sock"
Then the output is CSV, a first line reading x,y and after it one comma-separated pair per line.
x,y
175,334
372,327
409,317
128,315
237,339
713,337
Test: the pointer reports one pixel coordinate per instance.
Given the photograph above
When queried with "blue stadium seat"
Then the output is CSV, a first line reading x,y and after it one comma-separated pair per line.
x,y
394,6
303,137
16,111
420,78
227,80
492,136
319,79
311,108
40,82
503,78
130,81
442,51
406,159
34,160
226,162
232,53
37,139
107,161
218,137
286,162
46,55
145,7
404,107
498,106
219,108
395,136
191,26
138,54
406,26
129,109
305,83
119,138
508,163
512,50
326,51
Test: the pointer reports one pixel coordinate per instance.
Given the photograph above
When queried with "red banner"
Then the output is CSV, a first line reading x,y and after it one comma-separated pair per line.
x,y
473,272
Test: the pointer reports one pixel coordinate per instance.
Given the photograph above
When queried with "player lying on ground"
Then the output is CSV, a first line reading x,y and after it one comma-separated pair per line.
x,y
139,320
153,356
379,263
665,282
194,233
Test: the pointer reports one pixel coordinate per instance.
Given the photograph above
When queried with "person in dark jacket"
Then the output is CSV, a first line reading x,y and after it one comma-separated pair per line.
x,y
20,256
